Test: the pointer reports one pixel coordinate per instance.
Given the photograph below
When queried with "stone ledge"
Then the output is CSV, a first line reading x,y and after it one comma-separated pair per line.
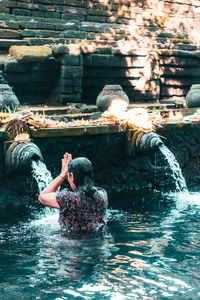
x,y
181,53
4,43
9,34
74,131
30,53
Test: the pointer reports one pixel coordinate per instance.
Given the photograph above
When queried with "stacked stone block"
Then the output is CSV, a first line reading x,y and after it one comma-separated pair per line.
x,y
68,87
113,27
133,71
178,71
31,74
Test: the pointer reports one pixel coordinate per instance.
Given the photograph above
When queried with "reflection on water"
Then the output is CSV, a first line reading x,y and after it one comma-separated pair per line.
x,y
147,254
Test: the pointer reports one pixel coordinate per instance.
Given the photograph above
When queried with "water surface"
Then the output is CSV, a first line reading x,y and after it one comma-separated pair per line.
x,y
152,251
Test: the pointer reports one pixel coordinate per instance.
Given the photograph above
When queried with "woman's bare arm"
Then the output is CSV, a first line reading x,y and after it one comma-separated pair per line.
x,y
48,196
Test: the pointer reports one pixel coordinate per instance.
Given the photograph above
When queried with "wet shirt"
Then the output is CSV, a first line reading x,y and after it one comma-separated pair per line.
x,y
82,214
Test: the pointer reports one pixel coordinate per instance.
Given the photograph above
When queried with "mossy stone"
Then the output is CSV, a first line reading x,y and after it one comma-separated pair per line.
x,y
30,53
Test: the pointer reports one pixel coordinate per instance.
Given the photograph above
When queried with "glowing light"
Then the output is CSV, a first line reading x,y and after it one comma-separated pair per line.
x,y
139,117
118,107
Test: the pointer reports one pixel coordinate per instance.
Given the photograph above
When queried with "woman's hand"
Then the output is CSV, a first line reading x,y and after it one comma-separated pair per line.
x,y
65,161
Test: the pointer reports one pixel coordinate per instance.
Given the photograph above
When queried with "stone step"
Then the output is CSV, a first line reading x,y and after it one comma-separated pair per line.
x,y
7,43
26,26
43,41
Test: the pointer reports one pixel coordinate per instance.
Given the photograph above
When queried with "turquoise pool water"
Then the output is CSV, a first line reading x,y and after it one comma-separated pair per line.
x,y
152,251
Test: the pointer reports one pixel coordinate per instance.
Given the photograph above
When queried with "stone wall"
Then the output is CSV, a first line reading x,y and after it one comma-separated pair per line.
x,y
119,45
109,11
74,74
115,168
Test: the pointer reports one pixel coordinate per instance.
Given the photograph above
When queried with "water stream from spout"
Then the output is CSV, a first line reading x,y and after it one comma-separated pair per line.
x,y
181,196
177,175
41,174
43,177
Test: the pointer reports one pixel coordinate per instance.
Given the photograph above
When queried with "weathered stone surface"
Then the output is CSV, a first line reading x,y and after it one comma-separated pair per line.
x,y
65,82
9,24
21,12
50,14
25,77
100,19
188,47
4,9
166,34
47,65
38,13
36,25
45,33
64,98
58,49
73,2
3,60
123,49
68,26
7,97
178,82
77,34
72,60
10,3
4,43
14,66
71,72
33,88
117,61
179,61
181,72
31,53
71,9
181,53
129,51
27,33
9,34
68,16
171,91
63,90
102,72
96,12
73,49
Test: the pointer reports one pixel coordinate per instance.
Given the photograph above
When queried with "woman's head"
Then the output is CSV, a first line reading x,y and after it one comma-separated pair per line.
x,y
82,170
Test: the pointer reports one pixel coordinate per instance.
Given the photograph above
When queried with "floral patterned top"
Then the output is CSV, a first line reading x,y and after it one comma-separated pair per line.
x,y
82,214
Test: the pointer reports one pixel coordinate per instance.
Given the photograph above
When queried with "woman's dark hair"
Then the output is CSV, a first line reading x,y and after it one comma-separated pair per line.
x,y
82,170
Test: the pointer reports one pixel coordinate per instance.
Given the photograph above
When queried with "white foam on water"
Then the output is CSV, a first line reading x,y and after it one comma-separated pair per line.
x,y
49,218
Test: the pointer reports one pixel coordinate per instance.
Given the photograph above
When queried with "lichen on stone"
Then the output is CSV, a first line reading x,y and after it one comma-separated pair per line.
x,y
30,53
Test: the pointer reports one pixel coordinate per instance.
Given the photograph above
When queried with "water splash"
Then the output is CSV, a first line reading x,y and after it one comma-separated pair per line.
x,y
177,175
41,174
43,177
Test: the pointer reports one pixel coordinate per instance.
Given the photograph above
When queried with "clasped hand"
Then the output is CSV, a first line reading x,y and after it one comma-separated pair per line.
x,y
65,161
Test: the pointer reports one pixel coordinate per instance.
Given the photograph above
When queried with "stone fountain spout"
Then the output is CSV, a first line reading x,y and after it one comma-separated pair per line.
x,y
20,155
145,142
8,99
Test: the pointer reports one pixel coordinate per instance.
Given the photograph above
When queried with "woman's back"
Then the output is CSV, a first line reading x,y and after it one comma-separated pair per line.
x,y
82,212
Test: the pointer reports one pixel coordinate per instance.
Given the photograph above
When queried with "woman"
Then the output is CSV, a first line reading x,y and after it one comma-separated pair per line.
x,y
83,209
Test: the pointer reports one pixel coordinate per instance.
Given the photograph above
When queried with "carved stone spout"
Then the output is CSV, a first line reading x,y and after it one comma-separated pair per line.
x,y
7,97
145,143
20,155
